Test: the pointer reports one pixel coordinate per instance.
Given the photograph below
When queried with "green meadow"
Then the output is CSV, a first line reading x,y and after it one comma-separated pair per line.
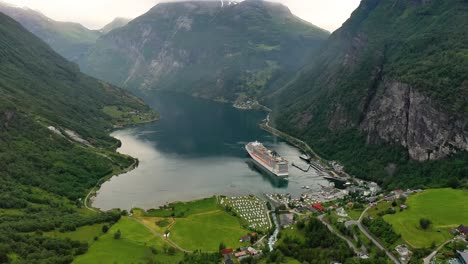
x,y
181,209
446,208
82,234
200,224
134,246
205,231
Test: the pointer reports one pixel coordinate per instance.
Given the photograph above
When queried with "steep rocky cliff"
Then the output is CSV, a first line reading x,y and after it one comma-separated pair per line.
x,y
207,49
402,114
395,74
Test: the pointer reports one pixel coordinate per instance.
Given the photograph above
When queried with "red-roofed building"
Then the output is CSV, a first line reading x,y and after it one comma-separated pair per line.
x,y
226,251
463,230
318,207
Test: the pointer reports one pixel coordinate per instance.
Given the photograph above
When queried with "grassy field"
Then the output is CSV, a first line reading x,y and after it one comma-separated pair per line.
x,y
126,115
446,208
133,246
200,224
354,214
83,234
180,209
206,231
293,232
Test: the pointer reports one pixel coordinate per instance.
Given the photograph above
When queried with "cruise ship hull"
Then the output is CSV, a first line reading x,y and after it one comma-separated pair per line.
x,y
261,164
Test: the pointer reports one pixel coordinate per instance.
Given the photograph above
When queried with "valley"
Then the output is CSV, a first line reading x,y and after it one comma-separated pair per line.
x,y
369,121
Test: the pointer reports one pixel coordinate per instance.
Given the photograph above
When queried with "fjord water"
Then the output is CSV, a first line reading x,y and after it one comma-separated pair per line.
x,y
196,150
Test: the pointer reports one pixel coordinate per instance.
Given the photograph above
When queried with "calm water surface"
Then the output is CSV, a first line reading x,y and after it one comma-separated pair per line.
x,y
197,150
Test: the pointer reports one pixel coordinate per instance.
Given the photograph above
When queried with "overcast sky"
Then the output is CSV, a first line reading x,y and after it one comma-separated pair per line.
x,y
328,14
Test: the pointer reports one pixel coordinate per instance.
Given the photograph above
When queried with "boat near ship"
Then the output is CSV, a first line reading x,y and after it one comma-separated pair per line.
x,y
268,160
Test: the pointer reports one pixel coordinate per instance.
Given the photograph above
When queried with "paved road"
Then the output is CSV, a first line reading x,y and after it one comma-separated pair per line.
x,y
348,241
427,260
371,237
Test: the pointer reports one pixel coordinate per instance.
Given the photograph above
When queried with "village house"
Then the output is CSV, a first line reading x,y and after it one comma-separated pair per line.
x,y
226,251
241,254
463,230
286,219
463,256
318,207
398,193
341,212
252,251
245,238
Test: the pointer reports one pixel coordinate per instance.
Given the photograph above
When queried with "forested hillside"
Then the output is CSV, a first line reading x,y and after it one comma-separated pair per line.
x,y
54,146
388,95
206,49
68,39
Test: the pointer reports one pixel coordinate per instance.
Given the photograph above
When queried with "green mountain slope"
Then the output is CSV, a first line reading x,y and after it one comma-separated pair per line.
x,y
54,146
389,87
70,40
116,23
206,50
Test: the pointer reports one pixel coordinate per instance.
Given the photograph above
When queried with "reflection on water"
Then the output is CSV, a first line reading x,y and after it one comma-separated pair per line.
x,y
275,181
197,150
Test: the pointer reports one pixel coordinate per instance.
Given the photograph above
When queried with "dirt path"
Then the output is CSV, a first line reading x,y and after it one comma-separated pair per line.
x,y
160,235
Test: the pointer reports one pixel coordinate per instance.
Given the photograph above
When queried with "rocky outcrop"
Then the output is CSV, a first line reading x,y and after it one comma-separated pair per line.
x,y
205,49
401,114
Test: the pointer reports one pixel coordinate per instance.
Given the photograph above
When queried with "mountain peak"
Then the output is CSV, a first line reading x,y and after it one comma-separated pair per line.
x,y
205,42
118,22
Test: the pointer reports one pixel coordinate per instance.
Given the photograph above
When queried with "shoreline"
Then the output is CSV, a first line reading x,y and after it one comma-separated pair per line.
x,y
301,145
87,202
264,125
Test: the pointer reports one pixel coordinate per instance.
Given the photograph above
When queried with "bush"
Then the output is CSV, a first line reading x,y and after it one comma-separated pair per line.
x,y
171,251
425,223
117,235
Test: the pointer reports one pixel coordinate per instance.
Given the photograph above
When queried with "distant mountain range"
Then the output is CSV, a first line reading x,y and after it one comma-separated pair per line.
x,y
70,40
206,49
116,23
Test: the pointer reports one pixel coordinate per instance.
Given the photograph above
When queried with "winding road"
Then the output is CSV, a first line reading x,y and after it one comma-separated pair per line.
x,y
371,237
427,260
348,241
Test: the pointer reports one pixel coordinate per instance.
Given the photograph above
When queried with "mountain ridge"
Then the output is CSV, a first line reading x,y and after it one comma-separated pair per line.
x,y
69,39
117,22
54,146
242,48
391,76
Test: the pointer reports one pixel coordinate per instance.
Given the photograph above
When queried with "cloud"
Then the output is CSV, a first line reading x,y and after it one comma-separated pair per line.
x,y
328,14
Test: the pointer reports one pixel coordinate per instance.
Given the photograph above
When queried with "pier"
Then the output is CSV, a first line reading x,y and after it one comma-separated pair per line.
x,y
304,170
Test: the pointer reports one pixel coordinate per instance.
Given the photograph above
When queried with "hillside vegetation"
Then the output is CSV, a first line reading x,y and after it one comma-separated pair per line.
x,y
54,146
68,39
240,50
388,95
